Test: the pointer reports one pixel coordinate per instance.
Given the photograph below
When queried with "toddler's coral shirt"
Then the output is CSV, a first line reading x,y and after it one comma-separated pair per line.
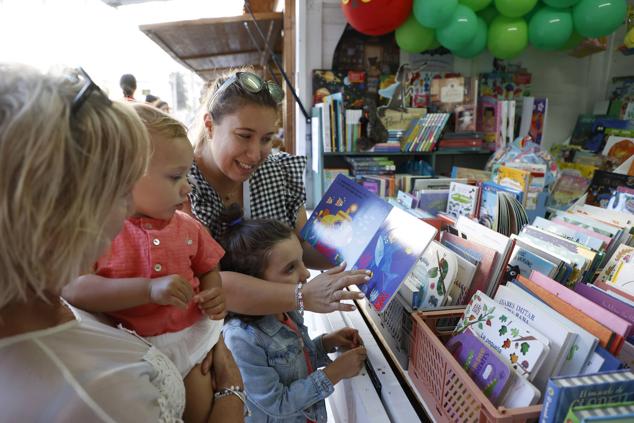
x,y
152,248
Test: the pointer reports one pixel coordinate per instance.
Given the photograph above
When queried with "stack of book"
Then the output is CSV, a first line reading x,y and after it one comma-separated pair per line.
x,y
422,134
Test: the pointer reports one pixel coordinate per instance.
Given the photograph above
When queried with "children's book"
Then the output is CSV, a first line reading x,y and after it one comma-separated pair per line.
x,y
621,257
527,261
351,224
489,201
604,334
462,200
572,234
605,300
432,200
604,185
573,391
617,412
522,346
540,317
481,256
516,179
458,293
621,327
427,285
489,371
534,114
480,234
477,175
584,344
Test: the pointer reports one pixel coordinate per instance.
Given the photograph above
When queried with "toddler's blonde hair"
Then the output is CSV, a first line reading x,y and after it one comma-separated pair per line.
x,y
159,122
60,175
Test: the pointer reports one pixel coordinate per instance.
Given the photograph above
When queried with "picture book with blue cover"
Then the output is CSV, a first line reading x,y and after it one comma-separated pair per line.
x,y
572,391
353,225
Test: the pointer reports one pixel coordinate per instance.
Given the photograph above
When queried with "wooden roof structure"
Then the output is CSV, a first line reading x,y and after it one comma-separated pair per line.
x,y
211,46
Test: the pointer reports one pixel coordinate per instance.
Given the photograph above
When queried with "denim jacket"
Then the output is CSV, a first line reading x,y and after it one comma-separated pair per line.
x,y
273,366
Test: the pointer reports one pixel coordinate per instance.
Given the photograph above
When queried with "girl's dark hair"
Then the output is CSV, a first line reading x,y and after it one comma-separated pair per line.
x,y
247,244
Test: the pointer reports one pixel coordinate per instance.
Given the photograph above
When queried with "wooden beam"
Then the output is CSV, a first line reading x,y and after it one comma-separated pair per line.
x,y
289,67
211,55
211,21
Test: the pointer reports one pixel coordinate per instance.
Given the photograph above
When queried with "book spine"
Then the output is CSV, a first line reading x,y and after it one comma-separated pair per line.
x,y
549,407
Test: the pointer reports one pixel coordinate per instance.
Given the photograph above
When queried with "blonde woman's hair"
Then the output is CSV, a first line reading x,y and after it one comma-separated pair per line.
x,y
60,175
159,122
225,103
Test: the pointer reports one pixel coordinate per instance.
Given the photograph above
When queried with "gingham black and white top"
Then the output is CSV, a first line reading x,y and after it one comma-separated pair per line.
x,y
276,192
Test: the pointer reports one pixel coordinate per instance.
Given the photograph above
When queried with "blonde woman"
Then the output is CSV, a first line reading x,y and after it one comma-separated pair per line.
x,y
69,158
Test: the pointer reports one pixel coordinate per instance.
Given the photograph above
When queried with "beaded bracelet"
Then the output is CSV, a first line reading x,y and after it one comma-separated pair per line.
x,y
299,298
237,391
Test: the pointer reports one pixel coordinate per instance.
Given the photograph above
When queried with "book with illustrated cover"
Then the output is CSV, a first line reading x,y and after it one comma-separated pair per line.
x,y
584,344
462,200
573,391
616,412
490,372
432,201
351,224
527,261
573,234
519,344
481,256
489,201
482,235
516,179
604,185
427,285
540,317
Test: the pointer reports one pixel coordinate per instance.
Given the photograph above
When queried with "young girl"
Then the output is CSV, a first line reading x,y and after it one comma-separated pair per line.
x,y
160,277
278,360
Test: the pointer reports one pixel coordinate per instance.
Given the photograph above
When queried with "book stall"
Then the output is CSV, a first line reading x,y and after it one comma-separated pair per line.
x,y
502,290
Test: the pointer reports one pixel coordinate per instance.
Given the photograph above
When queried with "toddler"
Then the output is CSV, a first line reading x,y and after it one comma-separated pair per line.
x,y
160,277
280,364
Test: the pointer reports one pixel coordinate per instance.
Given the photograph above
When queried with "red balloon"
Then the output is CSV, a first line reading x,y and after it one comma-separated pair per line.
x,y
376,17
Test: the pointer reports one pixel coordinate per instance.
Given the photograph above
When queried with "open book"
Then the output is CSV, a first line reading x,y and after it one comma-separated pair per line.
x,y
353,225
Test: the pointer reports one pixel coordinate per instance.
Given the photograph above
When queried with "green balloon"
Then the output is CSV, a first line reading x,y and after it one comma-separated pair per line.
x,y
515,8
573,41
434,13
434,45
508,37
477,45
596,18
550,29
413,37
561,4
461,29
488,14
476,5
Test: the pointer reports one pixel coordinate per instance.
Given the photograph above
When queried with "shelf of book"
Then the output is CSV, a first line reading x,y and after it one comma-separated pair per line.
x,y
410,153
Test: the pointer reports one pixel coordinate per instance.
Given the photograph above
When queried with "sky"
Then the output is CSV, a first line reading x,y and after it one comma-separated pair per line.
x,y
105,41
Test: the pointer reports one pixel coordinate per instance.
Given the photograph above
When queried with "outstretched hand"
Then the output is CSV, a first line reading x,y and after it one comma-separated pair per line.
x,y
325,292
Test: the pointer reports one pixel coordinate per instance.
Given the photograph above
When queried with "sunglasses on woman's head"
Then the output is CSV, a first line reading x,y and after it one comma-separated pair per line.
x,y
87,88
253,84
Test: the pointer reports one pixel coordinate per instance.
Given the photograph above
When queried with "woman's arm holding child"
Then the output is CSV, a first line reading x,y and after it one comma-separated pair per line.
x,y
98,294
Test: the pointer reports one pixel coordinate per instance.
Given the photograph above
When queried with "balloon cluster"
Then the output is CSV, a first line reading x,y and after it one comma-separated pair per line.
x,y
504,27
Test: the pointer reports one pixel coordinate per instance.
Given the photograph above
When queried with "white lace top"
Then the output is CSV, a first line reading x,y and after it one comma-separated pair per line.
x,y
86,371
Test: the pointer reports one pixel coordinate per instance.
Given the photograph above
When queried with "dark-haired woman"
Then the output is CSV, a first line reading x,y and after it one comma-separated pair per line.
x,y
233,164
